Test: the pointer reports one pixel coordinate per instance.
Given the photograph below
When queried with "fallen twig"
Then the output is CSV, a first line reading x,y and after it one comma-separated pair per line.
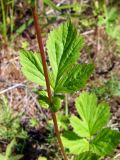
x,y
117,156
12,87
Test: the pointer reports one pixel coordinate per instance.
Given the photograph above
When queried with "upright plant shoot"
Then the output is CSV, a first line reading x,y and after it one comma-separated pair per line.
x,y
66,75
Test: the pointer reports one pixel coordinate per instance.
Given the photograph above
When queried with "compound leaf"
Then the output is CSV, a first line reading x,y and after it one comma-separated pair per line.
x,y
93,116
105,142
63,47
32,67
90,129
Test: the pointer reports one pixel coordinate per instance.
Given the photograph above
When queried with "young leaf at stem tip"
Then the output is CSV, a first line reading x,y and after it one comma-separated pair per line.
x,y
63,46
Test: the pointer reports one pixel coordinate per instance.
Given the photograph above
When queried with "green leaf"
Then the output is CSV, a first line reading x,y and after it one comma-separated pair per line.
x,y
10,148
31,2
51,4
80,127
56,104
22,28
2,157
105,142
16,157
111,14
109,19
32,67
43,99
63,45
33,122
89,130
75,145
75,78
90,113
42,158
87,156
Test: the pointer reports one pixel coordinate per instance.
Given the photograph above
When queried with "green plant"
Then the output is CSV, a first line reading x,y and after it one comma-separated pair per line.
x,y
110,19
90,132
4,25
87,156
8,155
42,158
75,6
108,89
7,16
63,46
7,20
10,127
33,122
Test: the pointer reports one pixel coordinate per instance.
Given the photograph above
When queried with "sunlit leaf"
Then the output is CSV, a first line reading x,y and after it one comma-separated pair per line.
x,y
32,67
75,145
90,131
10,148
63,45
75,78
91,113
87,156
105,142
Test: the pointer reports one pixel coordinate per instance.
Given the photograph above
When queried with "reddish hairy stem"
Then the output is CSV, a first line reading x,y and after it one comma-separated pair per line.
x,y
39,38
